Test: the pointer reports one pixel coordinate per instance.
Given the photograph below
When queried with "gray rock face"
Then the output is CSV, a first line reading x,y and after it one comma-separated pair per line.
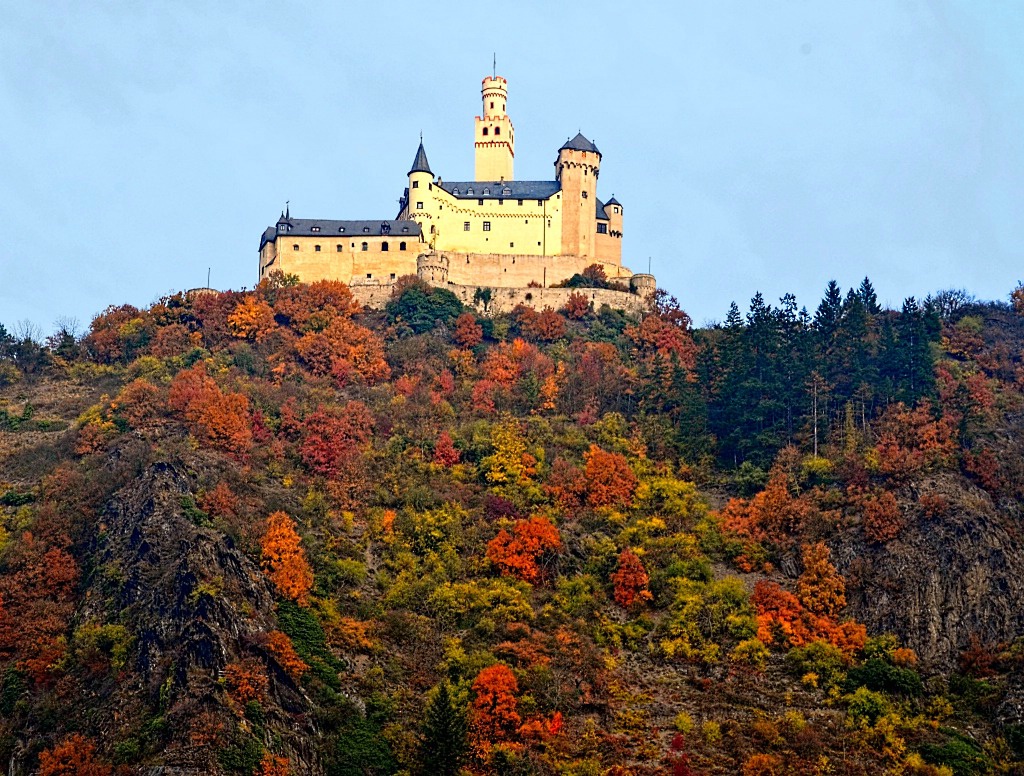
x,y
195,603
943,579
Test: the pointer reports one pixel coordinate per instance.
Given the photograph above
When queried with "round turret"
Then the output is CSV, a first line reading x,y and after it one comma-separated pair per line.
x,y
643,284
495,94
432,268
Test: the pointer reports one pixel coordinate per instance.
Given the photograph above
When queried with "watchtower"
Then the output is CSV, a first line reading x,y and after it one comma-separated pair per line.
x,y
577,168
495,137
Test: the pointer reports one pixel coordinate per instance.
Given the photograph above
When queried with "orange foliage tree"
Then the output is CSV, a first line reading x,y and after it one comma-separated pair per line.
x,y
75,756
138,403
910,440
246,681
821,588
774,514
218,419
494,717
342,349
524,553
284,560
782,618
881,518
252,319
280,647
313,306
630,580
610,480
272,765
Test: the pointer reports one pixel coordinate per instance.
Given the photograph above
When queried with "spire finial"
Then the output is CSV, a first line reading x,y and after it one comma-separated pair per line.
x,y
287,208
421,137
494,65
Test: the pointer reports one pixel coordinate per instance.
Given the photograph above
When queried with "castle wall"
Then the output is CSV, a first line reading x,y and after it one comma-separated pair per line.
x,y
504,270
504,300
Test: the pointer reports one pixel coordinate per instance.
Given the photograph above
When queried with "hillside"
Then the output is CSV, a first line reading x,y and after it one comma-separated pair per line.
x,y
269,532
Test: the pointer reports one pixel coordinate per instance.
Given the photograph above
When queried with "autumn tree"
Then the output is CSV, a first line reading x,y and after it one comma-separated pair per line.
x,y
610,480
526,551
280,647
252,319
284,560
576,306
445,728
494,715
273,765
630,580
246,681
445,452
332,438
468,333
821,588
75,756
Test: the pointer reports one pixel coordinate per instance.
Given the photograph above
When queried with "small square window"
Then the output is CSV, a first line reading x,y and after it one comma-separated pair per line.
x,y
602,228
540,202
316,248
584,195
512,245
415,184
339,248
295,247
369,275
487,226
501,202
419,206
465,226
392,275
520,203
479,202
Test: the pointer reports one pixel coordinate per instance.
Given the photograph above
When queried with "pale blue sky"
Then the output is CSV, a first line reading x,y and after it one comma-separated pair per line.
x,y
754,145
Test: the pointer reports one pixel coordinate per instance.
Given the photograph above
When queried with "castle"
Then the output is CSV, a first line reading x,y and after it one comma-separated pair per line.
x,y
514,239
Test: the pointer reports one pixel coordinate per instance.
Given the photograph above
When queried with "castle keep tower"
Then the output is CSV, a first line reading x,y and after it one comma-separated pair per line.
x,y
495,137
577,168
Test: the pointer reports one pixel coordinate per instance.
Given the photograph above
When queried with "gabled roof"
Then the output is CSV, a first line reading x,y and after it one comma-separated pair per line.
x,y
420,163
501,189
580,143
613,201
330,229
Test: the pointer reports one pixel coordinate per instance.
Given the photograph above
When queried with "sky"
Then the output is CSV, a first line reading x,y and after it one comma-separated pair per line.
x,y
755,146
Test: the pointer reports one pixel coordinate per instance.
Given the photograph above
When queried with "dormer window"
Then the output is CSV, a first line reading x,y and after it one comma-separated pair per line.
x,y
506,191
469,191
366,230
486,192
385,228
405,228
455,191
315,229
341,230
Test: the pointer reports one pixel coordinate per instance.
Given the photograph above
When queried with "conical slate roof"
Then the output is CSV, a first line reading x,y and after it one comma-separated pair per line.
x,y
420,163
580,143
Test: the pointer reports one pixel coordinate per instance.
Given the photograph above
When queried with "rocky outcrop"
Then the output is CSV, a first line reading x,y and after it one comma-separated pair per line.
x,y
194,603
944,579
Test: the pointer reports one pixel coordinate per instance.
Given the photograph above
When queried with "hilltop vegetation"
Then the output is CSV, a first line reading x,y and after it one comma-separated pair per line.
x,y
267,532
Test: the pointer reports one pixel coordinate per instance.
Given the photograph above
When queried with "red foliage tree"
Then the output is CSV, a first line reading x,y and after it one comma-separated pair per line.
x,y
881,517
332,438
576,306
630,580
468,333
75,756
610,480
284,560
445,452
494,717
523,553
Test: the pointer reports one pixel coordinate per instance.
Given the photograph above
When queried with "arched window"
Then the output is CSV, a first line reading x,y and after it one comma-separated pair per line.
x,y
366,246
316,248
295,247
497,130
485,130
384,246
401,246
339,248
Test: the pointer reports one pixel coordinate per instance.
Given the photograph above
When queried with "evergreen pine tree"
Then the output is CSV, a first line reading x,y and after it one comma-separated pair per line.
x,y
444,735
869,297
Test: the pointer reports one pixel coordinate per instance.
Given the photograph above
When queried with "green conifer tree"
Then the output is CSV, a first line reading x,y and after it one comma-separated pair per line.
x,y
444,734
